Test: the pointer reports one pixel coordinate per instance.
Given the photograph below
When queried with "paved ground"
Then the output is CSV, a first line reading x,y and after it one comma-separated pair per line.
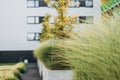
x,y
32,72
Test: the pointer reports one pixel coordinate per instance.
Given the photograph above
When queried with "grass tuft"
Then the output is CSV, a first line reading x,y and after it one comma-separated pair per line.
x,y
95,56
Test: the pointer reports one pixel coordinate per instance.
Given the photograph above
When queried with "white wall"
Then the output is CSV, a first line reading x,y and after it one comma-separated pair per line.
x,y
14,27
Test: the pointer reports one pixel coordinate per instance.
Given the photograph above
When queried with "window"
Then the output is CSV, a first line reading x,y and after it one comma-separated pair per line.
x,y
31,36
42,3
81,3
86,19
32,3
72,3
77,19
82,19
89,3
77,3
89,19
34,19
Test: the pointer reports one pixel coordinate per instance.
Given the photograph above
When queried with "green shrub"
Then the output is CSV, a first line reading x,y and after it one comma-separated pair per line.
x,y
10,76
16,73
12,72
21,67
48,53
1,74
7,75
95,52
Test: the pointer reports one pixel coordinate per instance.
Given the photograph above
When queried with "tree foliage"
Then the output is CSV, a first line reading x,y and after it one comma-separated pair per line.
x,y
62,27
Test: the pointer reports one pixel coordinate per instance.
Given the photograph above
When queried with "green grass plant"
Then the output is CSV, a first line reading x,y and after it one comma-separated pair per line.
x,y
17,73
7,75
117,10
21,67
95,52
49,53
3,64
12,72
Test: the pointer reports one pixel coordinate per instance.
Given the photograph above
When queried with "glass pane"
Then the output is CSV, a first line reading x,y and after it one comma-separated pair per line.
x,y
72,3
36,3
89,19
41,19
37,36
77,3
49,5
31,36
77,19
42,4
30,19
82,19
89,3
30,3
82,4
37,20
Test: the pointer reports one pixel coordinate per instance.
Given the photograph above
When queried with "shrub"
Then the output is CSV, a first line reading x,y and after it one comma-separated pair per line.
x,y
16,73
21,67
12,72
95,52
10,76
49,54
7,75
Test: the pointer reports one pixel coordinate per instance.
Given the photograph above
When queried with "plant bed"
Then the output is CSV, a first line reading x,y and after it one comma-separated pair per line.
x,y
51,65
96,54
49,53
47,74
50,62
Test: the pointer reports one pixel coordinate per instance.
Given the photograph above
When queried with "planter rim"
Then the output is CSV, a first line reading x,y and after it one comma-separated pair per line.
x,y
51,69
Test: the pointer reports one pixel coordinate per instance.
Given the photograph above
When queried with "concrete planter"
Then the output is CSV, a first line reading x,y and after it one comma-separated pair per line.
x,y
47,74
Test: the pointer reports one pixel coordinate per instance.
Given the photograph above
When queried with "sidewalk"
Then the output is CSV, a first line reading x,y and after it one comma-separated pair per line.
x,y
32,72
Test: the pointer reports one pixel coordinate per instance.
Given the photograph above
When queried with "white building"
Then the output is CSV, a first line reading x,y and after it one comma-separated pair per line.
x,y
20,21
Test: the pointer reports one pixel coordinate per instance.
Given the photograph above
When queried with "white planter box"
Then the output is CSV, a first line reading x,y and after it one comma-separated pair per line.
x,y
47,74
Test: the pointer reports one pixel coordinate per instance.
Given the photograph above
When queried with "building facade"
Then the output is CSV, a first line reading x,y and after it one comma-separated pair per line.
x,y
20,24
20,20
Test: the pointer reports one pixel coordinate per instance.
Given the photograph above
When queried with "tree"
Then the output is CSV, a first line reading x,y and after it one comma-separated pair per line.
x,y
63,24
